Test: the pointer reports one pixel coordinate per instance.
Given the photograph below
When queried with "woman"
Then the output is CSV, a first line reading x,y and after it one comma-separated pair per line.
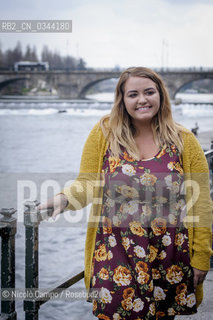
x,y
146,262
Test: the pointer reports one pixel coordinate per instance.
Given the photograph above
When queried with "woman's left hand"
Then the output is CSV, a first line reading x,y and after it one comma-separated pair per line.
x,y
199,276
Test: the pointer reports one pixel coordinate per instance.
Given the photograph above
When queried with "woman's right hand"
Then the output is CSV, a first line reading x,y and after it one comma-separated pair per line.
x,y
57,203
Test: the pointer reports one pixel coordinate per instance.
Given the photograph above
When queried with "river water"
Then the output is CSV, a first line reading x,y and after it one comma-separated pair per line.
x,y
41,143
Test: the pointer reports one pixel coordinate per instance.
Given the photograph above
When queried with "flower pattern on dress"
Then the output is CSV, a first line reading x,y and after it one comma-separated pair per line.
x,y
129,207
128,169
141,261
159,294
122,276
128,192
139,251
113,163
174,274
148,179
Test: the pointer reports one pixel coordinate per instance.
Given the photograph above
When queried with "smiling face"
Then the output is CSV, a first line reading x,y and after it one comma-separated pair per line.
x,y
141,99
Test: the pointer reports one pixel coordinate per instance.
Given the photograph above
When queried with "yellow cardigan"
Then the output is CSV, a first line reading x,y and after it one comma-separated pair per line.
x,y
86,189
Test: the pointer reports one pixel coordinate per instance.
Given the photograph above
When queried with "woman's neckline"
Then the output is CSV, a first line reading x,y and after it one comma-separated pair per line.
x,y
148,159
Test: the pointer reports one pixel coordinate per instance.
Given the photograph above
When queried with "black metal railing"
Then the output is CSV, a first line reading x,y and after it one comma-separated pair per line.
x,y
8,228
32,219
7,232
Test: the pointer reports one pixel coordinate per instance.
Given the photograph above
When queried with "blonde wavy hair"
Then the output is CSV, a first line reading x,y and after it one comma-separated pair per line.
x,y
119,129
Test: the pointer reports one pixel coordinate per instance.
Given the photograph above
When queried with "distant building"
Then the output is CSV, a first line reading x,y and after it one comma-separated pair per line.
x,y
31,66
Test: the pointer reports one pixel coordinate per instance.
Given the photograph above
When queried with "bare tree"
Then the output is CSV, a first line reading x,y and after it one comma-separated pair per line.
x,y
30,54
17,52
56,61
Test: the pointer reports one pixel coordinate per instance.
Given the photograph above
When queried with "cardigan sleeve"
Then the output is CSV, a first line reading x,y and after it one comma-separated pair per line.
x,y
201,205
80,193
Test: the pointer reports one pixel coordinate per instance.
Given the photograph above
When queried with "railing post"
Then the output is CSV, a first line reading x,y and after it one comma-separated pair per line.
x,y
211,147
31,223
8,226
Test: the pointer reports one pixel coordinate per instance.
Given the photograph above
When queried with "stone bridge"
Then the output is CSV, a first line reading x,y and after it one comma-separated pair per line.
x,y
75,84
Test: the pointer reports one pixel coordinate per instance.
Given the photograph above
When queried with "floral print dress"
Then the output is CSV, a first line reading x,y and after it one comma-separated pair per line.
x,y
141,261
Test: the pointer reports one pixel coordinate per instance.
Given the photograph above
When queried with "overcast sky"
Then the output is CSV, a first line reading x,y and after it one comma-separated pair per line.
x,y
152,33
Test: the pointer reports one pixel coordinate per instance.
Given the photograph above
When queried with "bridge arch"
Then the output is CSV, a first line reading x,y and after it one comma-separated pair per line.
x,y
5,83
193,81
91,84
176,81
